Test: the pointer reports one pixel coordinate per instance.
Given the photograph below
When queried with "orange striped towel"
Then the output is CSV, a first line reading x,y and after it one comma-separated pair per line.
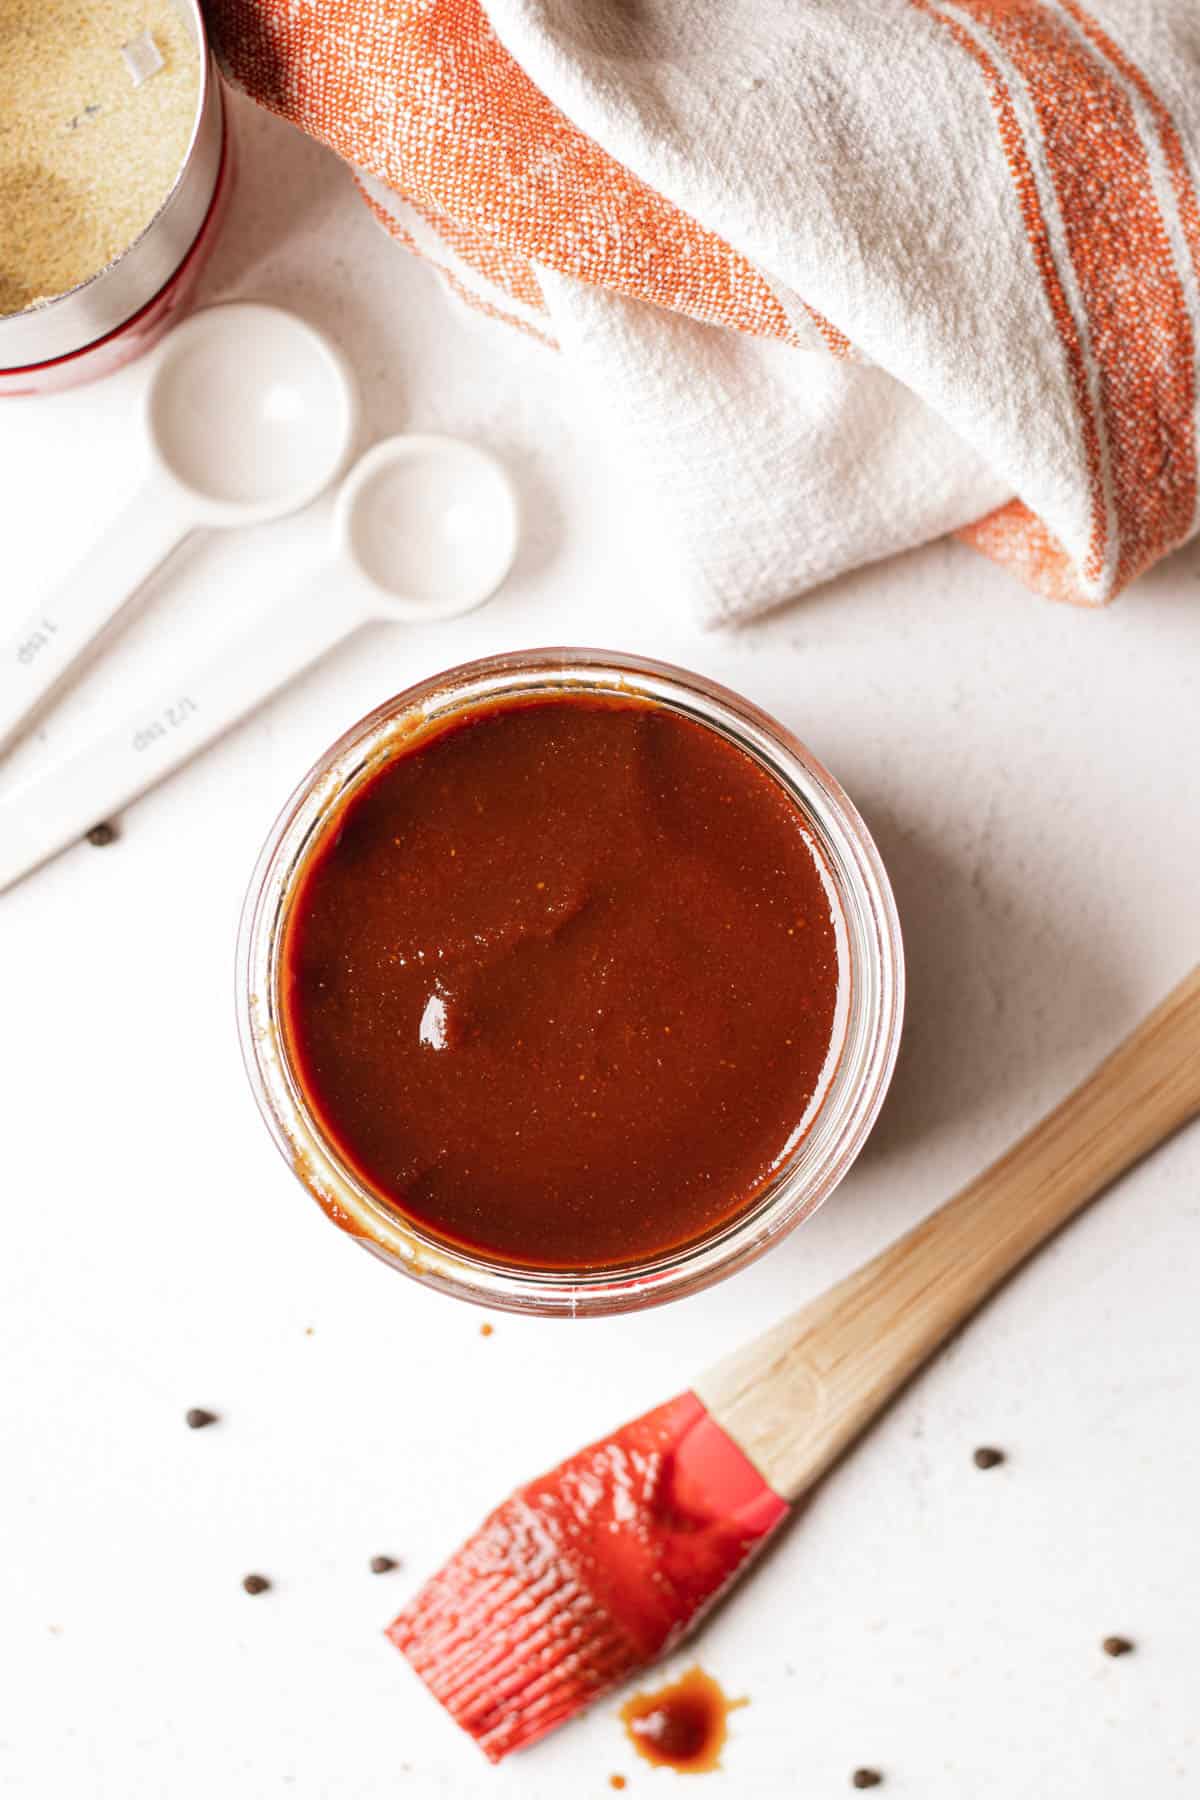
x,y
846,274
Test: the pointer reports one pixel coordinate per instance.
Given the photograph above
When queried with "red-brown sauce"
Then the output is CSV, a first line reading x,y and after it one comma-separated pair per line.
x,y
559,982
683,1724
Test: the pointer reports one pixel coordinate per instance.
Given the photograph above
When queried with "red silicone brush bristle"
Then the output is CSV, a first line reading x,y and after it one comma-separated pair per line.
x,y
510,1653
586,1575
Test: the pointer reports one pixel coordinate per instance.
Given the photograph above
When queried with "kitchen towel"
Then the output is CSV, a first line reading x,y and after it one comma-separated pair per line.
x,y
843,274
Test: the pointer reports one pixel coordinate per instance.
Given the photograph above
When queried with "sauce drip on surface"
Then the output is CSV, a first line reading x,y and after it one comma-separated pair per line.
x,y
559,982
683,1724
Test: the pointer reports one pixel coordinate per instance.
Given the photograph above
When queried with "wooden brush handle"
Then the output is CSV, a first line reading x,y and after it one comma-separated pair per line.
x,y
797,1397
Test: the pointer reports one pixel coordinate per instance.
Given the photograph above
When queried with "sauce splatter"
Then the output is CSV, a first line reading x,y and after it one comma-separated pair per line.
x,y
682,1725
616,1781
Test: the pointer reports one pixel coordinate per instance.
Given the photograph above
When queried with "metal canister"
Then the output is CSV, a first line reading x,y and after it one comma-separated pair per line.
x,y
122,309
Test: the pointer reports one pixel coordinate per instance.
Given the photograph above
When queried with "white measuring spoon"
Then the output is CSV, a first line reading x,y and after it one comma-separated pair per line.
x,y
425,527
249,415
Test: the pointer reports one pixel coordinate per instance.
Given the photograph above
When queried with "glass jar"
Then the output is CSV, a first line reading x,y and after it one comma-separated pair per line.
x,y
866,1028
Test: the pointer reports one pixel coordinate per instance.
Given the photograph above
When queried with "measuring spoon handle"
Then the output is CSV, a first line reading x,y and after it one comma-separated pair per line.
x,y
53,637
56,809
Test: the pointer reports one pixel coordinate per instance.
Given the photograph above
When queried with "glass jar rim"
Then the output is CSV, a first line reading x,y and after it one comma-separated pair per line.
x,y
872,984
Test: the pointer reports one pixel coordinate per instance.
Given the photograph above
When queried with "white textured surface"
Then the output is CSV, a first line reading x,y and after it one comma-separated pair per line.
x,y
1031,776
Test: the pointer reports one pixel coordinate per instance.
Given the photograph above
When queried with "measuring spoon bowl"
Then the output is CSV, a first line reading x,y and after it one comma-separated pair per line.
x,y
250,411
430,523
